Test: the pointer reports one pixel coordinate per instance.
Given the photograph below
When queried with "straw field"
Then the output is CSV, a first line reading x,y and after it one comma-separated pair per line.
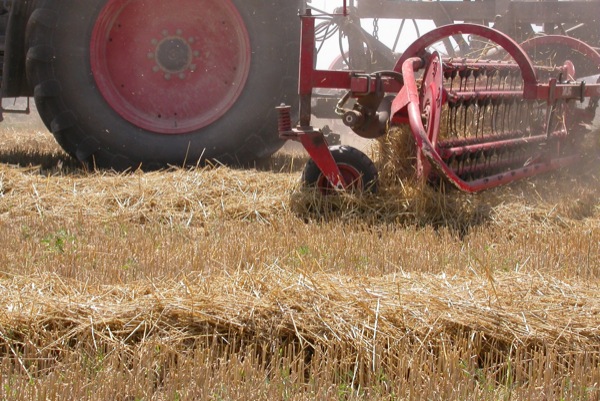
x,y
223,284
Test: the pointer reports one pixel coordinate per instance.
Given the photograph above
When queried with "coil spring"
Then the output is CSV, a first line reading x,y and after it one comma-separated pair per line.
x,y
284,120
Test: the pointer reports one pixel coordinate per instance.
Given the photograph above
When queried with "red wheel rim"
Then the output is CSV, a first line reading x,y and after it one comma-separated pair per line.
x,y
170,68
350,174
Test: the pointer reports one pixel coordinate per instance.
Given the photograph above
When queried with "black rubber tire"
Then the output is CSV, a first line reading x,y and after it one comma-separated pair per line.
x,y
364,174
84,124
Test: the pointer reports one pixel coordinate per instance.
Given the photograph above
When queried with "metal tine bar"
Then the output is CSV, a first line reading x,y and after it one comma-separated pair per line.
x,y
519,119
455,130
464,121
480,107
513,144
481,170
450,119
471,96
510,121
501,117
509,115
456,143
486,108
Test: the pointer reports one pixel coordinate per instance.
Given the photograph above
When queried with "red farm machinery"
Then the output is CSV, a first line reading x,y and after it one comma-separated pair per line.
x,y
151,83
484,108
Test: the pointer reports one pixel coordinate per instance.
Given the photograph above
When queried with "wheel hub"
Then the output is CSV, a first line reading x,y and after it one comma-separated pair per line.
x,y
173,56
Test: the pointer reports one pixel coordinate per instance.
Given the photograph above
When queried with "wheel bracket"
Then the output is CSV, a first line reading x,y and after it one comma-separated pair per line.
x,y
316,145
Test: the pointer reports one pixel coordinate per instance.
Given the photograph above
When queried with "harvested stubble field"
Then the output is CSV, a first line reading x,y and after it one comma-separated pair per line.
x,y
225,284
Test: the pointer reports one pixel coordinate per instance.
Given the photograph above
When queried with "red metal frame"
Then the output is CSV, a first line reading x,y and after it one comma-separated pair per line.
x,y
411,102
407,102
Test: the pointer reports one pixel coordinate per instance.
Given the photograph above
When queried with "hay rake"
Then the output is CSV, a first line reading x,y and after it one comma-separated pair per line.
x,y
498,113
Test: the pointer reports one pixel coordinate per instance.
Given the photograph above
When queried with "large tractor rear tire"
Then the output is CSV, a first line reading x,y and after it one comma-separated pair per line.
x,y
128,83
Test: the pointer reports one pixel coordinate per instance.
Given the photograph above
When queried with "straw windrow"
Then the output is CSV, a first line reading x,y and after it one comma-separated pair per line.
x,y
240,284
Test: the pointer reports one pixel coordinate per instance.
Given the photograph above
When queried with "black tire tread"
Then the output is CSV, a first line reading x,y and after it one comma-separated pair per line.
x,y
246,137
